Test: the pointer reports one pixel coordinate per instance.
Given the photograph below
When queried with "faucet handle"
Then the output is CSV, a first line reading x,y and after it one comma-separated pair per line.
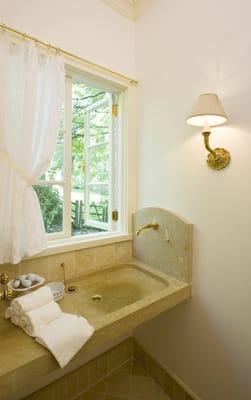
x,y
6,294
4,278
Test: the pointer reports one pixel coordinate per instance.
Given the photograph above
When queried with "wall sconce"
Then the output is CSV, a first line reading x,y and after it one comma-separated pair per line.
x,y
208,111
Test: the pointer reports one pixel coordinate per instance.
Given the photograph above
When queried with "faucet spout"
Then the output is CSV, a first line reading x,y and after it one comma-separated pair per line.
x,y
152,225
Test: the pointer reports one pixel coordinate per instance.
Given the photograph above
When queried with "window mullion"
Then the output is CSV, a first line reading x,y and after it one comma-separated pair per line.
x,y
87,163
112,177
68,157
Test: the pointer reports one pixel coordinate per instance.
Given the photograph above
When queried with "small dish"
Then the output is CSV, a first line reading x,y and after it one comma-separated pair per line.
x,y
58,290
9,284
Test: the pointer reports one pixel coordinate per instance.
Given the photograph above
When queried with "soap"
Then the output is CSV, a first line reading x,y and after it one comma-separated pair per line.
x,y
16,283
26,283
32,277
21,277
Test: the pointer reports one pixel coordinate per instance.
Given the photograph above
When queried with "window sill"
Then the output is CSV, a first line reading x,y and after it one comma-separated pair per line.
x,y
72,244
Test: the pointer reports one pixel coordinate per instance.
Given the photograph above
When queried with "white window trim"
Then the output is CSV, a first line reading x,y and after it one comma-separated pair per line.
x,y
127,121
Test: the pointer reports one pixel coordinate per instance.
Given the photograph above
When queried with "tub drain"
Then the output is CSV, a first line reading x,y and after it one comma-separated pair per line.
x,y
71,289
96,297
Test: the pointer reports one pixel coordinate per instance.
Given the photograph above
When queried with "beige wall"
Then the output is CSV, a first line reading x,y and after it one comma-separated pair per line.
x,y
185,48
87,28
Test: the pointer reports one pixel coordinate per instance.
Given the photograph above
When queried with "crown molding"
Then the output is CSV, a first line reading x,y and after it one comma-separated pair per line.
x,y
129,8
140,6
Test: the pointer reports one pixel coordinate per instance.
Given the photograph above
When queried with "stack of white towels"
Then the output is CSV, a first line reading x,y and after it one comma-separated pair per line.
x,y
41,317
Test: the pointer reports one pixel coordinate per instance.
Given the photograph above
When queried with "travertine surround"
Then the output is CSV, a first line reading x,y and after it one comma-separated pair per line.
x,y
82,378
173,257
26,366
76,262
110,376
175,390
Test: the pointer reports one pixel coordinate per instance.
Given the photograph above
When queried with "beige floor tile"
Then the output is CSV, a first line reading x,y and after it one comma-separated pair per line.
x,y
114,385
96,396
143,387
137,369
126,368
129,382
91,396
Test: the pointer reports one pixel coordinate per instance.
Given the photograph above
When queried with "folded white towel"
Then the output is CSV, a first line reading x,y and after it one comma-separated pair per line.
x,y
65,336
9,312
15,319
32,321
32,300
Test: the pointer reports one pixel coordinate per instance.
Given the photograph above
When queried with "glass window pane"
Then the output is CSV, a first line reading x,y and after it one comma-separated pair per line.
x,y
51,203
99,164
77,212
78,163
100,124
98,203
55,170
84,96
98,211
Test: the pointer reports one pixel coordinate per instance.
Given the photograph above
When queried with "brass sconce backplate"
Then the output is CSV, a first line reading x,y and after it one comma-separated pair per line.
x,y
220,161
217,158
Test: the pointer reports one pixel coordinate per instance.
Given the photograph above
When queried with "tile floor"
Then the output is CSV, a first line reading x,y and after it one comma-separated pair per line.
x,y
129,382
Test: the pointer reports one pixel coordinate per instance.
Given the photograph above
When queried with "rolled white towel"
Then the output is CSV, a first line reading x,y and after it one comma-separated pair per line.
x,y
32,321
32,300
65,336
15,319
9,312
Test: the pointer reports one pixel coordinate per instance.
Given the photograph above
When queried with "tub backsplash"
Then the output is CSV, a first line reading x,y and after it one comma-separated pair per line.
x,y
76,262
168,248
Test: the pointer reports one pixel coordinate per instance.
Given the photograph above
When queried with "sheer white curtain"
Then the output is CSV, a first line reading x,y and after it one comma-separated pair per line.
x,y
31,96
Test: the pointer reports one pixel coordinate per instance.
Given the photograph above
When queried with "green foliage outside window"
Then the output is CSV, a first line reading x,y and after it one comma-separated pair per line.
x,y
51,206
50,197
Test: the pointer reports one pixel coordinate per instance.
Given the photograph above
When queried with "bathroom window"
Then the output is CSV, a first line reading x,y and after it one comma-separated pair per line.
x,y
80,192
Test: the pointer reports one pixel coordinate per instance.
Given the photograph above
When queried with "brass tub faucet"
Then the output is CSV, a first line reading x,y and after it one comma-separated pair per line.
x,y
5,293
152,225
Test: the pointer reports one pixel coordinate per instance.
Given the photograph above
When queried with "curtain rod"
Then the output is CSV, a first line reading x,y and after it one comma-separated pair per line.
x,y
71,55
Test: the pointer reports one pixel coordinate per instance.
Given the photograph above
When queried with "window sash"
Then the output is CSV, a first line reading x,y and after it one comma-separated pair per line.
x,y
66,182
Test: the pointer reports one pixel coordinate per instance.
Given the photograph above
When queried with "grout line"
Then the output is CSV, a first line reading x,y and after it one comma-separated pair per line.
x,y
175,380
101,379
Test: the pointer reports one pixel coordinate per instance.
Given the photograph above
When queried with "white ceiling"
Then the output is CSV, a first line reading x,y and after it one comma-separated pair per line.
x,y
129,8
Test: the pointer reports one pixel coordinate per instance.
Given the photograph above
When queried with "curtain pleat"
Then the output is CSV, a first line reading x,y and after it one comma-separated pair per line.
x,y
31,96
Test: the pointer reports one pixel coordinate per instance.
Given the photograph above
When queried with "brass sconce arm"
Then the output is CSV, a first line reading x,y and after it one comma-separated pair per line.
x,y
218,158
206,142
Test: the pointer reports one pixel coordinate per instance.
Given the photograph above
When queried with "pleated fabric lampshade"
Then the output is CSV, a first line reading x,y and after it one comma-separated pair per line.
x,y
207,111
